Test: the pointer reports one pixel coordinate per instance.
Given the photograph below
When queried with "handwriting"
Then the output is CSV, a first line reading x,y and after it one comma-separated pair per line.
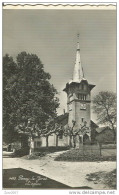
x,y
32,181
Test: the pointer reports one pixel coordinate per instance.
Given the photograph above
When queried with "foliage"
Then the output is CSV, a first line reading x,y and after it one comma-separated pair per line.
x,y
29,98
104,105
105,136
21,152
9,103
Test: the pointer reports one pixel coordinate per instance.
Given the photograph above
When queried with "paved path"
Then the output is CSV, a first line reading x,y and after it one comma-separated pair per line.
x,y
70,173
55,154
7,154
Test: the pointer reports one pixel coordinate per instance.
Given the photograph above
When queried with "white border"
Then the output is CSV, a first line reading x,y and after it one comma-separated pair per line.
x,y
54,192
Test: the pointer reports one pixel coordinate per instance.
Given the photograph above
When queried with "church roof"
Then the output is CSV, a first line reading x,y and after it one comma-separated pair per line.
x,y
94,124
62,116
91,86
63,119
101,129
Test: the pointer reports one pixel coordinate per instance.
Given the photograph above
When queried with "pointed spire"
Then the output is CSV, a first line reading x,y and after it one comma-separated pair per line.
x,y
78,70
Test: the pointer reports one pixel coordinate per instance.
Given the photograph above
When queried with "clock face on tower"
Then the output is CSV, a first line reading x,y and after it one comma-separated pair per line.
x,y
83,106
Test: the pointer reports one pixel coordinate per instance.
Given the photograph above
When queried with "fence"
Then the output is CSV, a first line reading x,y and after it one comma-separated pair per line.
x,y
104,149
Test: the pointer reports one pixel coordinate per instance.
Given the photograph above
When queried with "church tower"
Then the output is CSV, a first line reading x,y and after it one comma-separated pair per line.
x,y
78,95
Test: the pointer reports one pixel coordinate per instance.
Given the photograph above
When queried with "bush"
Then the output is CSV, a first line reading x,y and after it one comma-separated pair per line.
x,y
21,152
51,149
40,154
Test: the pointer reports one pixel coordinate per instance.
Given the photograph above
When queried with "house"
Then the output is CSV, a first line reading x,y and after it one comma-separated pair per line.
x,y
106,134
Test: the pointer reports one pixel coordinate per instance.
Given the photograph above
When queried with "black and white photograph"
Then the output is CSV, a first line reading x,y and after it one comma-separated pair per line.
x,y
59,97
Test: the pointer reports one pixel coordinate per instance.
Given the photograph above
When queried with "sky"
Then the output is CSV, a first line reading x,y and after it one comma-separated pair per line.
x,y
52,35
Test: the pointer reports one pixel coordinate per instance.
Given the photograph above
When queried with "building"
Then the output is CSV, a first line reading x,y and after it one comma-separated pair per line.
x,y
106,134
78,92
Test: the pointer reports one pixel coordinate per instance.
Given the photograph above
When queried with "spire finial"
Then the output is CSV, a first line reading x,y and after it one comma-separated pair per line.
x,y
78,48
78,36
78,73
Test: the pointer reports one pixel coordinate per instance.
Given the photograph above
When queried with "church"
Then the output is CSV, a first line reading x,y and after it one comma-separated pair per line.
x,y
78,92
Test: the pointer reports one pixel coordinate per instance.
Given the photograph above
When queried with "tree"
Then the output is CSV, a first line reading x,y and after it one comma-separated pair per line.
x,y
48,130
68,131
59,130
73,132
103,137
9,105
29,98
104,105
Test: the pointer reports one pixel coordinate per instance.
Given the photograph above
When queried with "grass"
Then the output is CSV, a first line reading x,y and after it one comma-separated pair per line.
x,y
107,178
39,152
108,146
43,151
90,155
52,149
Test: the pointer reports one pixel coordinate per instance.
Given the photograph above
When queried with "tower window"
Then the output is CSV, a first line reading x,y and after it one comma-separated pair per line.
x,y
85,87
81,96
84,97
35,144
82,86
82,120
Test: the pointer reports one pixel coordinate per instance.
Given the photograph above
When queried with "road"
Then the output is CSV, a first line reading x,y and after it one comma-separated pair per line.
x,y
70,173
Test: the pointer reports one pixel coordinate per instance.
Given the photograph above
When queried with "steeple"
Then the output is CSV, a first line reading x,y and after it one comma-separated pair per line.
x,y
78,74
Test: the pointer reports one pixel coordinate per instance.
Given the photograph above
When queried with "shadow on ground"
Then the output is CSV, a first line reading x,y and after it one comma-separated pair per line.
x,y
21,178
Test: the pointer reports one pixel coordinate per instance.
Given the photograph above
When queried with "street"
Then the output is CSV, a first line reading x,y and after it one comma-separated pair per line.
x,y
69,173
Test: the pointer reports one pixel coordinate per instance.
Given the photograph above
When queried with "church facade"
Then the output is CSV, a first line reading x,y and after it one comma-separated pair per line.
x,y
78,92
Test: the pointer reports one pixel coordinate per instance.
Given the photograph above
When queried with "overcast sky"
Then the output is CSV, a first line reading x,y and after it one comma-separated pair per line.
x,y
52,35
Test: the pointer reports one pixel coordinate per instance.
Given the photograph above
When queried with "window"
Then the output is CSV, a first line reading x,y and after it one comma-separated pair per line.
x,y
82,86
35,144
82,120
39,143
84,97
61,136
81,97
85,87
